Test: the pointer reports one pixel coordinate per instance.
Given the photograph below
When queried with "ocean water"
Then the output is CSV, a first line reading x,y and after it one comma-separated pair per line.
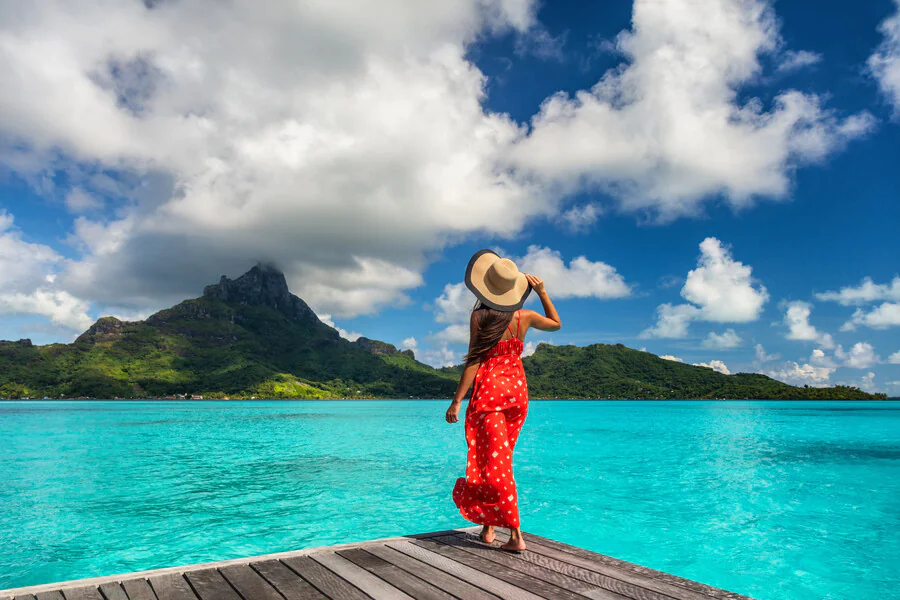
x,y
793,500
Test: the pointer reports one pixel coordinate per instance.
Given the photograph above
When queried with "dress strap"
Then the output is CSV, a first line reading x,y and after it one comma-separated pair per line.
x,y
516,334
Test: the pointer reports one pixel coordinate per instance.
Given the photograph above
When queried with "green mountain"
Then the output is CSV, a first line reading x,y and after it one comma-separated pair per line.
x,y
250,337
244,337
614,371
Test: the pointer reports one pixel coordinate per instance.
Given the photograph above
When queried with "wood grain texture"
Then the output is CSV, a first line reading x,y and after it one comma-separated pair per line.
x,y
449,583
394,575
511,576
171,586
249,584
641,580
540,571
210,585
287,582
372,585
138,589
618,584
477,578
324,579
443,565
87,592
113,591
634,568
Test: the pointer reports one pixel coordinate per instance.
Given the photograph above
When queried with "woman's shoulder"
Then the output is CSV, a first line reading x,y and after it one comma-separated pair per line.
x,y
525,313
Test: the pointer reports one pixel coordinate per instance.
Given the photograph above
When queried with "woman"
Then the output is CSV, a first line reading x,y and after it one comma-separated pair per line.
x,y
499,402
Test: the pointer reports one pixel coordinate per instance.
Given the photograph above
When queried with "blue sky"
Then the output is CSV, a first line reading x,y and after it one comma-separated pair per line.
x,y
733,168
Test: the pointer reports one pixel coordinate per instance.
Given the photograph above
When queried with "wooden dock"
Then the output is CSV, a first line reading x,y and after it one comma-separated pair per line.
x,y
442,565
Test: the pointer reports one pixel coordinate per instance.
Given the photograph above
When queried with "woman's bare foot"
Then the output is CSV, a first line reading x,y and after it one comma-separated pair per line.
x,y
516,542
487,534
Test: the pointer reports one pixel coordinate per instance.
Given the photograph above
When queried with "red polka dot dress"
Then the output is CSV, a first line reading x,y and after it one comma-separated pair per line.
x,y
494,418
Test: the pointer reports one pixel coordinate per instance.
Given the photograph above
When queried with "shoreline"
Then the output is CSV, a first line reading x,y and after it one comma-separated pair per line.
x,y
184,401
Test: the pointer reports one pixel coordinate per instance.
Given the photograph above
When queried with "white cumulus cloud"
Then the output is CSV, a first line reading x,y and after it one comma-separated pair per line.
x,y
866,292
796,317
818,358
715,365
894,358
581,278
884,64
722,341
672,358
720,290
454,305
293,133
347,335
579,219
28,280
669,129
860,356
762,356
348,143
795,374
672,321
440,356
881,317
794,60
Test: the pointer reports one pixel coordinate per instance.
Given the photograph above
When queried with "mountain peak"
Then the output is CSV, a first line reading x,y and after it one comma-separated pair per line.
x,y
263,285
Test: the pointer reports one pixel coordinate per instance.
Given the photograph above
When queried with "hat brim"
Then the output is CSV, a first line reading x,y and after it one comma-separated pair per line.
x,y
476,272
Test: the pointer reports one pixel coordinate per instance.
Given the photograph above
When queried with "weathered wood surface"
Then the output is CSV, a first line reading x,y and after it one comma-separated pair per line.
x,y
442,565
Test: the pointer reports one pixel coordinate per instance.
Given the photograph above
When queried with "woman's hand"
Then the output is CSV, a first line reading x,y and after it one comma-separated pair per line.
x,y
535,282
453,411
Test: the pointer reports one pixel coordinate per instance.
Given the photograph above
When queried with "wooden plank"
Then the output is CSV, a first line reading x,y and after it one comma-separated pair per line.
x,y
289,584
210,585
249,584
605,568
113,591
674,579
356,575
517,578
138,589
442,580
86,592
34,589
545,572
51,595
474,576
323,579
394,575
172,586
603,581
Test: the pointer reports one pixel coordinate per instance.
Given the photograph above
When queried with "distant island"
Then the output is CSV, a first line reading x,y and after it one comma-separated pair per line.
x,y
251,338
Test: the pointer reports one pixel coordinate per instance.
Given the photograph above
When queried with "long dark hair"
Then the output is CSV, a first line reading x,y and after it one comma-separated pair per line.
x,y
488,325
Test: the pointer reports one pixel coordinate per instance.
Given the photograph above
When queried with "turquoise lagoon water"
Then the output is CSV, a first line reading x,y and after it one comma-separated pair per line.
x,y
788,500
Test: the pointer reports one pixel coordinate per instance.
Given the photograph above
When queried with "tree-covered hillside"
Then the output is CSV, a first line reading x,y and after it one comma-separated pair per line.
x,y
614,371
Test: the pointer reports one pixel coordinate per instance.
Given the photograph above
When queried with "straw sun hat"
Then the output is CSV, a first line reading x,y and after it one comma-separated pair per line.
x,y
497,281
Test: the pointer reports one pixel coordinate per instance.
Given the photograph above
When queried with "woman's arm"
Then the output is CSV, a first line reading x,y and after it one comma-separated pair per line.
x,y
549,321
465,381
